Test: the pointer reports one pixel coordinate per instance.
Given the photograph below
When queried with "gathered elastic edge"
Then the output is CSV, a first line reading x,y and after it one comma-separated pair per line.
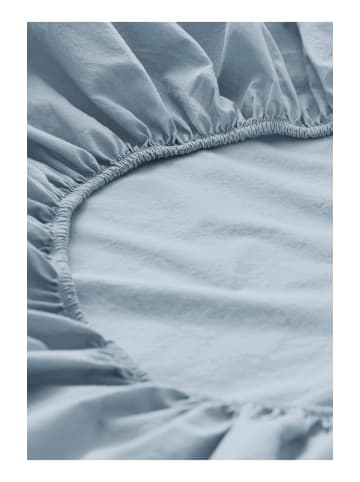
x,y
78,193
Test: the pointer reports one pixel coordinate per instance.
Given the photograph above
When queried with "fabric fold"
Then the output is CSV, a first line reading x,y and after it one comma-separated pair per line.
x,y
105,99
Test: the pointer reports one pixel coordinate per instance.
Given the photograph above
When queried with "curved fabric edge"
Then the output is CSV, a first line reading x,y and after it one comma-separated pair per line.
x,y
148,421
99,363
73,198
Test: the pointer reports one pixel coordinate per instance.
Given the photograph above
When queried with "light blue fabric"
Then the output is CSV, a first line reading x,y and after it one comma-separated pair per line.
x,y
107,98
195,266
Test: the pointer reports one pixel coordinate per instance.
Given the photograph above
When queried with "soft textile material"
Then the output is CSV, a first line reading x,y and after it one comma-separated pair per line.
x,y
197,267
252,259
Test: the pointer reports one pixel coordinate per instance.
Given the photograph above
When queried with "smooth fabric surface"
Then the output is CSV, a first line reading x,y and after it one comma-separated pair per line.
x,y
214,270
104,99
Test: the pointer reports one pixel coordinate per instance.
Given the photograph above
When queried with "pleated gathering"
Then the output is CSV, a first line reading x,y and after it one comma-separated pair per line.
x,y
104,99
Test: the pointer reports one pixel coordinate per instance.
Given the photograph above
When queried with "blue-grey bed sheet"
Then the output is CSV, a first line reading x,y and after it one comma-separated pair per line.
x,y
179,240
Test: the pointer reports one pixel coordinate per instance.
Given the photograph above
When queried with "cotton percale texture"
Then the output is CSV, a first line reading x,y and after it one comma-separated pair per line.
x,y
179,241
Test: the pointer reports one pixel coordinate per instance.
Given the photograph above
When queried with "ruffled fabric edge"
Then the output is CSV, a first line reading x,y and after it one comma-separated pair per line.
x,y
66,354
196,79
74,197
148,421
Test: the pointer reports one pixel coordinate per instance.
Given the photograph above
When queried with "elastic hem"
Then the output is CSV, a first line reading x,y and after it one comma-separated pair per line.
x,y
75,195
81,191
321,416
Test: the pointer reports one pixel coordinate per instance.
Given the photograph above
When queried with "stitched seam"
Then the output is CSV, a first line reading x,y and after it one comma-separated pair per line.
x,y
74,196
60,225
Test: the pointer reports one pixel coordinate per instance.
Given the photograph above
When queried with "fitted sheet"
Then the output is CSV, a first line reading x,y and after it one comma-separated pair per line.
x,y
226,302
214,270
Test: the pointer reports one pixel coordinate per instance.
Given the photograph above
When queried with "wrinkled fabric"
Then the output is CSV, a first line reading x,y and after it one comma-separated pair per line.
x,y
103,99
196,267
